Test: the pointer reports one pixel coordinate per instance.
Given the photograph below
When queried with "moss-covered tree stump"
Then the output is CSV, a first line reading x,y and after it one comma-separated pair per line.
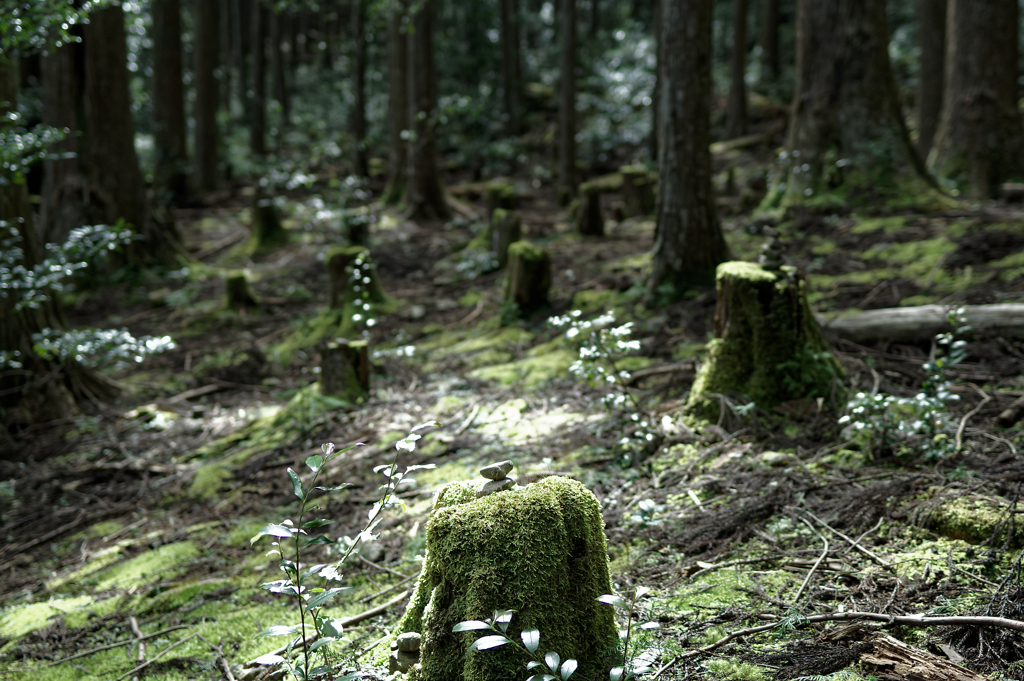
x,y
637,190
529,277
240,297
358,231
506,229
345,369
500,194
767,347
539,550
268,234
352,277
589,221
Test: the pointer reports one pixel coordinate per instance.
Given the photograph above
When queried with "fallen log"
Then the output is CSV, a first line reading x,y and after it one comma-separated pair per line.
x,y
920,324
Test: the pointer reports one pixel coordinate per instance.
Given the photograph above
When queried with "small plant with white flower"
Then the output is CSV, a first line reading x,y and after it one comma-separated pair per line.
x,y
600,342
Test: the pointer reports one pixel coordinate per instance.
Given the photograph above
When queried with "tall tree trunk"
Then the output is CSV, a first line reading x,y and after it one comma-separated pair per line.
x,y
652,140
64,196
424,195
931,36
278,70
170,178
362,168
225,55
737,123
979,143
567,105
204,19
115,180
847,136
258,109
769,40
398,105
688,241
510,83
239,11
595,19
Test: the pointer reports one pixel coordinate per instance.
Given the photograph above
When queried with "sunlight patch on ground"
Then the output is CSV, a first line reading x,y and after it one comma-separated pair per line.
x,y
22,619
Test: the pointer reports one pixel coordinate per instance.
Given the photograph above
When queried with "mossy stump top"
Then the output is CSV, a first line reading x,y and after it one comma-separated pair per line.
x,y
767,345
268,234
539,550
529,276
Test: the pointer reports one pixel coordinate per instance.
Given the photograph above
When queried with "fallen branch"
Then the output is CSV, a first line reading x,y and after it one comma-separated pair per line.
x,y
814,567
967,416
902,620
853,542
917,324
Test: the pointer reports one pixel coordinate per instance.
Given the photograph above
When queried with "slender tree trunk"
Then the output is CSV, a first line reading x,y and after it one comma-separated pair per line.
x,y
979,143
688,241
115,180
769,40
258,110
931,36
567,105
171,180
595,19
64,196
239,11
398,105
225,54
737,123
847,134
277,67
424,195
656,91
204,19
362,168
510,83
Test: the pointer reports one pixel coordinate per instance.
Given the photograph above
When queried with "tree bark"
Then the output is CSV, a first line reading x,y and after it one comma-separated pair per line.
x,y
921,324
277,68
769,40
225,54
205,63
170,179
239,9
656,91
510,79
567,105
258,108
980,142
115,182
688,243
847,135
424,195
931,36
737,123
64,196
398,106
361,163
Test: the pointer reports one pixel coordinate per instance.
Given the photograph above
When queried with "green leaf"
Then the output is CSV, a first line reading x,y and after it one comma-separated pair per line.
x,y
321,598
470,625
615,674
488,642
273,530
320,642
344,485
641,591
427,424
502,619
650,625
533,663
332,626
541,677
612,599
319,540
296,483
315,462
279,630
531,639
568,667
319,522
327,448
269,658
551,659
353,675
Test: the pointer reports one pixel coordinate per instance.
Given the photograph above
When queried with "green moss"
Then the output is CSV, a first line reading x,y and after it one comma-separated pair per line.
x,y
209,480
973,519
604,184
154,565
539,550
100,560
471,298
594,301
732,668
534,369
19,620
889,225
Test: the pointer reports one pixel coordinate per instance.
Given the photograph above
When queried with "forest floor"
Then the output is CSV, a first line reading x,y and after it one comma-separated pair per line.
x,y
144,509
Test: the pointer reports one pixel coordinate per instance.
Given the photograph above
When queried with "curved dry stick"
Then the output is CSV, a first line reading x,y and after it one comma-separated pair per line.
x,y
814,567
905,620
968,415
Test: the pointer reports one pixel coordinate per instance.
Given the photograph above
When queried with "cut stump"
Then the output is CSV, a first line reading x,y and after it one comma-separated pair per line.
x,y
529,277
589,221
767,346
637,191
240,297
345,369
268,234
358,233
500,194
506,229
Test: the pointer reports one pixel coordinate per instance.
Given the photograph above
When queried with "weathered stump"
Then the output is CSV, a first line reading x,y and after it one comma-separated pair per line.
x,y
637,191
529,276
589,221
767,346
352,277
506,229
358,231
240,297
345,369
500,194
267,232
551,581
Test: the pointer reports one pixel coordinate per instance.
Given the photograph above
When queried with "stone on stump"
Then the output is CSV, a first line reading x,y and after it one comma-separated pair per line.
x,y
589,221
352,277
529,276
345,369
768,347
637,190
500,194
538,550
267,232
506,229
240,297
